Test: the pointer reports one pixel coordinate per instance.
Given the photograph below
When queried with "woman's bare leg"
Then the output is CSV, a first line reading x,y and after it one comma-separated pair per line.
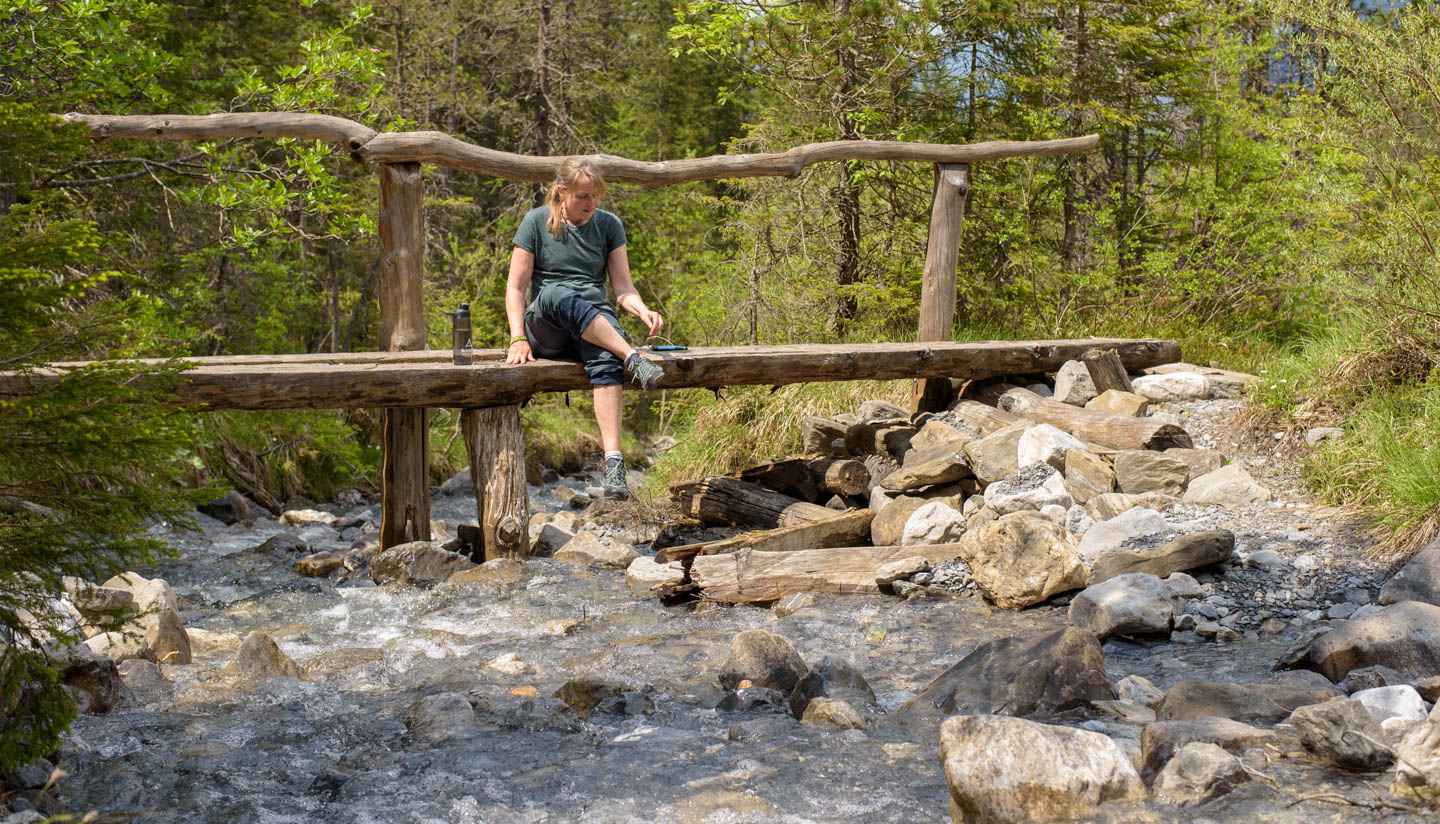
x,y
609,403
603,335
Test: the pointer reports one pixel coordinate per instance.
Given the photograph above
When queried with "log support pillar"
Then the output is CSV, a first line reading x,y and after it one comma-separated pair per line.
x,y
405,445
496,444
937,291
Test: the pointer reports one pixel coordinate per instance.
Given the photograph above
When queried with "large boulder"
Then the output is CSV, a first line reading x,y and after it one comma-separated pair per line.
x,y
1160,741
1418,580
833,677
1229,486
1114,533
934,523
1087,475
1200,461
1003,770
1133,604
121,646
1343,733
764,659
1175,386
1029,488
1404,637
997,454
1138,471
418,563
160,617
1198,773
1217,699
1417,775
258,658
587,549
92,679
1044,443
1178,555
1047,673
1022,559
1073,384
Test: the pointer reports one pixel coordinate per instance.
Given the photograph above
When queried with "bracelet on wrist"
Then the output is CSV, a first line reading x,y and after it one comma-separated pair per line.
x,y
518,339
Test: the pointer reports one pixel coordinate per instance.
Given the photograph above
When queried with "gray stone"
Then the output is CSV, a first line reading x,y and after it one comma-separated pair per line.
x,y
1175,386
818,434
1200,461
259,657
121,646
936,522
833,677
1020,676
1191,551
1183,587
1230,486
888,526
418,563
900,570
644,574
1073,384
1044,443
461,483
147,684
1343,733
1399,701
1009,770
92,679
996,455
1022,559
1107,506
877,410
587,549
1138,471
551,537
1134,604
1317,435
1161,740
940,467
1403,636
1109,535
1139,690
1417,772
230,508
764,659
1417,580
1209,699
440,717
1028,489
1198,773
1078,521
1087,475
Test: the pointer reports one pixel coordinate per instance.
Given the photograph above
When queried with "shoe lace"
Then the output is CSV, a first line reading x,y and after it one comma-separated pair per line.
x,y
614,474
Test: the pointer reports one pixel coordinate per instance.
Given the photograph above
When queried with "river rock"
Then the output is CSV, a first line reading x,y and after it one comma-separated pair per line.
x,y
1198,773
230,508
160,616
495,572
1417,773
832,712
1138,471
1028,489
319,564
1200,461
1429,688
818,434
996,455
1403,636
418,564
102,605
1138,689
1133,604
1012,771
284,543
1119,402
1107,506
258,658
1047,444
764,659
1175,386
1110,535
643,574
1343,733
1087,475
878,410
1022,559
461,483
1418,580
793,603
440,717
940,467
888,526
1211,699
306,517
92,679
1160,741
1399,701
900,570
934,523
121,646
1171,558
1046,673
147,684
1073,384
1229,486
550,537
936,435
833,677
1078,521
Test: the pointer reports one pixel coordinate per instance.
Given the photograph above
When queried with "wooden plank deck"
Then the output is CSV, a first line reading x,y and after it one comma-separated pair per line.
x,y
423,379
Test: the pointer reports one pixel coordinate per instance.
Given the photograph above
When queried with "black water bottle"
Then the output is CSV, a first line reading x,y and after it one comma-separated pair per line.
x,y
460,335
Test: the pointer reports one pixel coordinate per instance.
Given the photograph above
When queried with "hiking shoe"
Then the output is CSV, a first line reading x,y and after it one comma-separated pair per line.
x,y
613,480
643,371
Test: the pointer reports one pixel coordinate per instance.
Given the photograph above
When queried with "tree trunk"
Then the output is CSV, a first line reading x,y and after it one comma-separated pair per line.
x,y
809,478
1106,370
721,500
496,444
844,529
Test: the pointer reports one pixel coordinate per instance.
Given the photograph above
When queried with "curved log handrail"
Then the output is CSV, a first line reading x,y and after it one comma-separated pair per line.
x,y
365,145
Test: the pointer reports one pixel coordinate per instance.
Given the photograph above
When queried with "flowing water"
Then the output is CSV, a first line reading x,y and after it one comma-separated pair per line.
x,y
337,747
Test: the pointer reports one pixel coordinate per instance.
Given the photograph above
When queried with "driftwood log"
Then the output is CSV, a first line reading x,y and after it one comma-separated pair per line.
x,y
749,577
981,417
1093,426
809,478
723,500
843,529
1106,370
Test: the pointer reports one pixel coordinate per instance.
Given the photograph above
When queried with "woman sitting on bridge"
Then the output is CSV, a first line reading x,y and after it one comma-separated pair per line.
x,y
562,253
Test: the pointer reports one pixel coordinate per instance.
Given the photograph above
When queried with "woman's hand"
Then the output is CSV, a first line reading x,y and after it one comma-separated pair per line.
x,y
652,320
519,352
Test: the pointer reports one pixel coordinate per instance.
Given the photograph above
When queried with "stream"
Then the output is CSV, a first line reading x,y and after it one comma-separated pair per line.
x,y
337,747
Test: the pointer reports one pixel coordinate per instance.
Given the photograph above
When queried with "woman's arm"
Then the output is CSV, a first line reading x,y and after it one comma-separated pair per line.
x,y
627,297
517,286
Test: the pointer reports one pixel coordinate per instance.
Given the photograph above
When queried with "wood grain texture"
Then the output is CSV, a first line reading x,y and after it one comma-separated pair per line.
x,y
1106,370
402,257
937,285
496,444
404,479
1092,425
724,500
810,478
410,380
751,577
844,529
299,125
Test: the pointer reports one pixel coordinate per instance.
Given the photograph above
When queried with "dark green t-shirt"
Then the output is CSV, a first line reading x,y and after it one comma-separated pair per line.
x,y
579,260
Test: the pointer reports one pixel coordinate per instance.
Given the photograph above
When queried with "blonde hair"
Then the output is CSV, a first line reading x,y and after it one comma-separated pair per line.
x,y
571,170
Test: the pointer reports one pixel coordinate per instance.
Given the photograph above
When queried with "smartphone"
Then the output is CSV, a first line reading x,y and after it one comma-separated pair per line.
x,y
668,347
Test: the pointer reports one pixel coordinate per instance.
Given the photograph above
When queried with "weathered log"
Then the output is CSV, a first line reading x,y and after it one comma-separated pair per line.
x,y
394,380
984,418
937,288
1106,370
843,529
749,577
299,125
404,481
809,478
1105,429
496,444
723,500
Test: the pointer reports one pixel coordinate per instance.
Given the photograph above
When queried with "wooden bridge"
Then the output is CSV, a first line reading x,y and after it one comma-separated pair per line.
x,y
404,380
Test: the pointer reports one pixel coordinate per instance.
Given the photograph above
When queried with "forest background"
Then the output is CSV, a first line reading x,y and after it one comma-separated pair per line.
x,y
1266,190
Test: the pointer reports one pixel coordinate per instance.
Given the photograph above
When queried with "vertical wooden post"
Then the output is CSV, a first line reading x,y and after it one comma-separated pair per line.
x,y
937,291
496,444
405,440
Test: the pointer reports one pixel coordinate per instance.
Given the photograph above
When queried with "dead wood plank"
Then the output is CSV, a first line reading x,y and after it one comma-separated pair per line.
x,y
937,286
750,577
325,384
844,529
808,478
1106,429
725,500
